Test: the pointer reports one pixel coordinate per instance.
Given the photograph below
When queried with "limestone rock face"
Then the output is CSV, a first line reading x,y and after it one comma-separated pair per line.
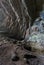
x,y
14,18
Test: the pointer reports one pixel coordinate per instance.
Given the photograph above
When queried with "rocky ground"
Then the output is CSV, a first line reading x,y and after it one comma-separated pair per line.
x,y
16,53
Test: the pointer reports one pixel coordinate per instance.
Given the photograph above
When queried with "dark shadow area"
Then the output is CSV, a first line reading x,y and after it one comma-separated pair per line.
x,y
27,56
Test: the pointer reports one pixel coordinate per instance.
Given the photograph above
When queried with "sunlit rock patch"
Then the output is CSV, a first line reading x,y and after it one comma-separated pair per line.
x,y
36,38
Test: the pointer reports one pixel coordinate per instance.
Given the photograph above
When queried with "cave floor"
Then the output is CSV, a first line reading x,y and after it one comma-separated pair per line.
x,y
8,48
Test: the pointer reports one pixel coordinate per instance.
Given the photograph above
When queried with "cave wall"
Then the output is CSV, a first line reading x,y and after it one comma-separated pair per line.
x,y
34,7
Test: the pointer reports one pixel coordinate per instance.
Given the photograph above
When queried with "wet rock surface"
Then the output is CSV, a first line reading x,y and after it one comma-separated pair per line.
x,y
14,18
